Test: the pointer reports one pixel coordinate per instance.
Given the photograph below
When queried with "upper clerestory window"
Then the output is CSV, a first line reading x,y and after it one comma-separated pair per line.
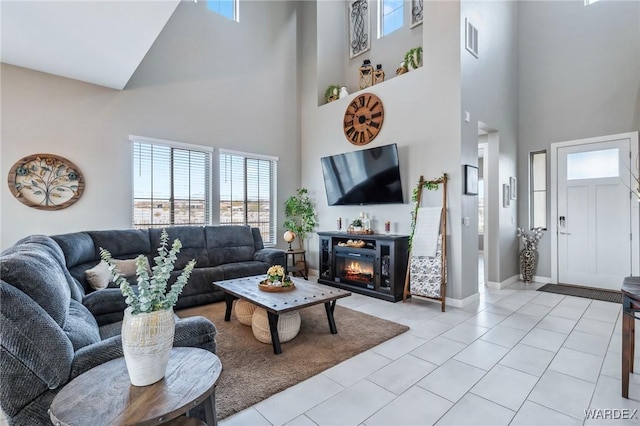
x,y
226,8
390,16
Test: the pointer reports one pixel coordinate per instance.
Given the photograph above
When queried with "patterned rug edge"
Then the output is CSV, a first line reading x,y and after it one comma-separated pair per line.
x,y
585,292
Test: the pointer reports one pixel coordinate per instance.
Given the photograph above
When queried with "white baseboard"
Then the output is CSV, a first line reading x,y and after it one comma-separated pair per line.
x,y
462,303
500,285
539,279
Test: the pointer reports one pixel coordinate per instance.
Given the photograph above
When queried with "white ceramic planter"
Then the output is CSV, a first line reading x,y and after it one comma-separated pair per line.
x,y
147,339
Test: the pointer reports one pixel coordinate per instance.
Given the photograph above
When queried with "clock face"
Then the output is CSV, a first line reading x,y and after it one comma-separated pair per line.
x,y
363,119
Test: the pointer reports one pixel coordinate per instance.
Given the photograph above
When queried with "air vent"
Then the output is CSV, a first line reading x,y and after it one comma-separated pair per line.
x,y
471,38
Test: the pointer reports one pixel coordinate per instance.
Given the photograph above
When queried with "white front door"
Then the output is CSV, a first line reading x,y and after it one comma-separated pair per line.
x,y
594,213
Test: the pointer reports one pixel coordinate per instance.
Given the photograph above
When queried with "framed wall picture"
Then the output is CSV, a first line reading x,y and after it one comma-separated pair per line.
x,y
417,8
513,188
46,182
505,195
470,180
359,27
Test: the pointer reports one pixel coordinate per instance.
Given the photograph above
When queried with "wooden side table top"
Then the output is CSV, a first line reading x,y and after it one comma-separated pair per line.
x,y
104,395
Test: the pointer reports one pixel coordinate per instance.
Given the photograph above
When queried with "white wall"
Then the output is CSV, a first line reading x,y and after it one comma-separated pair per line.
x,y
579,77
334,64
489,94
206,81
422,115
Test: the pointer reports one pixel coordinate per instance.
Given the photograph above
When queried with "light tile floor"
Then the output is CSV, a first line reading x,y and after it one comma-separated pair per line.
x,y
517,357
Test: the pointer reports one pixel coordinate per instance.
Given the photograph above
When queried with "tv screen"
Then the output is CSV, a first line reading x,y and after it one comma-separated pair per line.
x,y
369,176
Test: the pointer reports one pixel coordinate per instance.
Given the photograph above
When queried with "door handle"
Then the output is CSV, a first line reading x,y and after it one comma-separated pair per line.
x,y
564,233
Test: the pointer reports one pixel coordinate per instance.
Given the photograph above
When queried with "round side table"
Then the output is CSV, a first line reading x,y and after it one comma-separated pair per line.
x,y
104,395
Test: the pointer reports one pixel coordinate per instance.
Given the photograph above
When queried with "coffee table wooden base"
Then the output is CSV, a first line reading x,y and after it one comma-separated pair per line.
x,y
104,395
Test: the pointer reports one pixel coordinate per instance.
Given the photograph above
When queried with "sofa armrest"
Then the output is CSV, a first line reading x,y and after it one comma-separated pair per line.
x,y
195,332
93,355
106,305
270,256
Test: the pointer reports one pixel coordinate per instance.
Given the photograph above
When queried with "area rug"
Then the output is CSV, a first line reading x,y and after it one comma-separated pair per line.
x,y
586,292
252,372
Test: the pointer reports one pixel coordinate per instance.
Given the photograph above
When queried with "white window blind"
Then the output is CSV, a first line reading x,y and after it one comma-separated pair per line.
x,y
247,192
171,184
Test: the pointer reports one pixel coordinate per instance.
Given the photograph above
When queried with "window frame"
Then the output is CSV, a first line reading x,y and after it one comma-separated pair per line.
x,y
273,199
236,10
533,191
172,145
381,17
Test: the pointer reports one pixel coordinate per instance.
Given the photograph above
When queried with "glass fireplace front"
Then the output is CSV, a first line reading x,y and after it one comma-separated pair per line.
x,y
354,267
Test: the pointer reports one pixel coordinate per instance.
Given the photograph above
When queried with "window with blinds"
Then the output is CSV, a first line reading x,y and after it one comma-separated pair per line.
x,y
171,184
247,192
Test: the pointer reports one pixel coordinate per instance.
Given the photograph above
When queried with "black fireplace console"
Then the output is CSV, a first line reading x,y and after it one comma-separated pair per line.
x,y
376,269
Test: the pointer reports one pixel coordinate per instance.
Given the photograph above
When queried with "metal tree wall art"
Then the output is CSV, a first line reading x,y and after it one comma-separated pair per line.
x,y
359,27
46,182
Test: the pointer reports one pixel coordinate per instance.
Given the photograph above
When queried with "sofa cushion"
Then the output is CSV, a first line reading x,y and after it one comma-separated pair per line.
x,y
77,247
35,353
81,327
244,269
193,245
32,268
258,244
228,244
121,243
106,305
201,280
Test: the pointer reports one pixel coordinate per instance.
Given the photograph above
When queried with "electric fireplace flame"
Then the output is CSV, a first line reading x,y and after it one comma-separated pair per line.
x,y
357,271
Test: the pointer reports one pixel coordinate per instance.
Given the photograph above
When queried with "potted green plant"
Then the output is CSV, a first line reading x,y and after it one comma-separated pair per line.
x,y
300,214
413,57
148,326
332,93
357,225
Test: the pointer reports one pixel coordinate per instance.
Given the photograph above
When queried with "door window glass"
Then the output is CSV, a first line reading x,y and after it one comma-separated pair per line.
x,y
593,164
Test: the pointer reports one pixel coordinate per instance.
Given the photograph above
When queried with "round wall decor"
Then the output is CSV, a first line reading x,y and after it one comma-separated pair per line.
x,y
363,119
46,182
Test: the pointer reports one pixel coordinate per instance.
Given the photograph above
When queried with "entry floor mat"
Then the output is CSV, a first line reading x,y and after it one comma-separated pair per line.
x,y
586,292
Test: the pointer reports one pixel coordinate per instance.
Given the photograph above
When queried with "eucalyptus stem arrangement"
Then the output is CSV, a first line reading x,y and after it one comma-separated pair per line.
x,y
152,290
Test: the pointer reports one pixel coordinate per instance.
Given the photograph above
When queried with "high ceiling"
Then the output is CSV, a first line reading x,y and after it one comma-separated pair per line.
x,y
96,41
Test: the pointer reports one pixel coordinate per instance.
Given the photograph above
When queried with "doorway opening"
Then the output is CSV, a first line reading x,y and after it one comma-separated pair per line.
x,y
489,201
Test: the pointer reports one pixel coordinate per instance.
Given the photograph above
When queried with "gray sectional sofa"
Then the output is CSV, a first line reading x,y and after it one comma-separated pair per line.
x,y
54,326
222,252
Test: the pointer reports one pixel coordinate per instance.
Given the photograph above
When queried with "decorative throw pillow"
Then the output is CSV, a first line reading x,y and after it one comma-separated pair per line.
x,y
126,267
98,277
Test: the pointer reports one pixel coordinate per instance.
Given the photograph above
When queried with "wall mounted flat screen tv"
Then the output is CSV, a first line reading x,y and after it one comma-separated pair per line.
x,y
368,176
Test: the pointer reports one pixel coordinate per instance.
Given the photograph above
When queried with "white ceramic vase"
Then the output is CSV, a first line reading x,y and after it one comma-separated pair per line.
x,y
147,339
